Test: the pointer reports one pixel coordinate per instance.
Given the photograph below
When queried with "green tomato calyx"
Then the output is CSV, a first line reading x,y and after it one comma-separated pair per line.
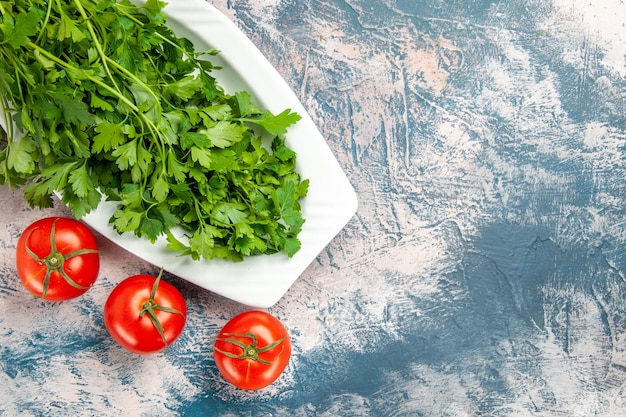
x,y
150,306
249,351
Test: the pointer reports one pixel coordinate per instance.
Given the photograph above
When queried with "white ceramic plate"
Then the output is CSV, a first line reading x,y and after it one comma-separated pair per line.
x,y
331,202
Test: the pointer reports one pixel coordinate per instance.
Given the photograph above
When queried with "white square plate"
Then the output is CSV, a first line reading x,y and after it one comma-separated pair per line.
x,y
258,281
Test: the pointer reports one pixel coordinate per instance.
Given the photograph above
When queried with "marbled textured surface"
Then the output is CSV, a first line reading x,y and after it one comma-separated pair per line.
x,y
483,274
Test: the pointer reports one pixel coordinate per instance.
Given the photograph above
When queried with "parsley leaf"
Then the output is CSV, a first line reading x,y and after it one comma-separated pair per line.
x,y
276,124
17,32
22,155
109,136
224,133
81,181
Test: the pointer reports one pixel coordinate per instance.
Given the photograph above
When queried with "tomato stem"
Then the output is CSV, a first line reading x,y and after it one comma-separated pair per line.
x,y
249,351
55,260
150,306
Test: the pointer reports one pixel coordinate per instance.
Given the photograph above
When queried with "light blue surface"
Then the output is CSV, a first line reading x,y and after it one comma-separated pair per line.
x,y
483,274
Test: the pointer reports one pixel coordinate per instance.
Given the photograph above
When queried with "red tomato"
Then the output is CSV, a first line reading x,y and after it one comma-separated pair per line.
x,y
252,350
145,314
57,258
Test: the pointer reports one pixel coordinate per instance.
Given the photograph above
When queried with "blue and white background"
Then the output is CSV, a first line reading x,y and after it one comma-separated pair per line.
x,y
484,272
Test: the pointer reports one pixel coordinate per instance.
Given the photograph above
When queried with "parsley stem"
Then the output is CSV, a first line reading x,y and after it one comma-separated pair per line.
x,y
95,41
69,66
107,60
19,85
136,80
151,126
44,23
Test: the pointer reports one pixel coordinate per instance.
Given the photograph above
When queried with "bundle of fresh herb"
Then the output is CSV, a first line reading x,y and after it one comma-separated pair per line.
x,y
111,103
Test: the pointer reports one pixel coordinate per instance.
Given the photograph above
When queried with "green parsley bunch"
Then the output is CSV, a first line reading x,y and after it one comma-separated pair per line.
x,y
109,102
